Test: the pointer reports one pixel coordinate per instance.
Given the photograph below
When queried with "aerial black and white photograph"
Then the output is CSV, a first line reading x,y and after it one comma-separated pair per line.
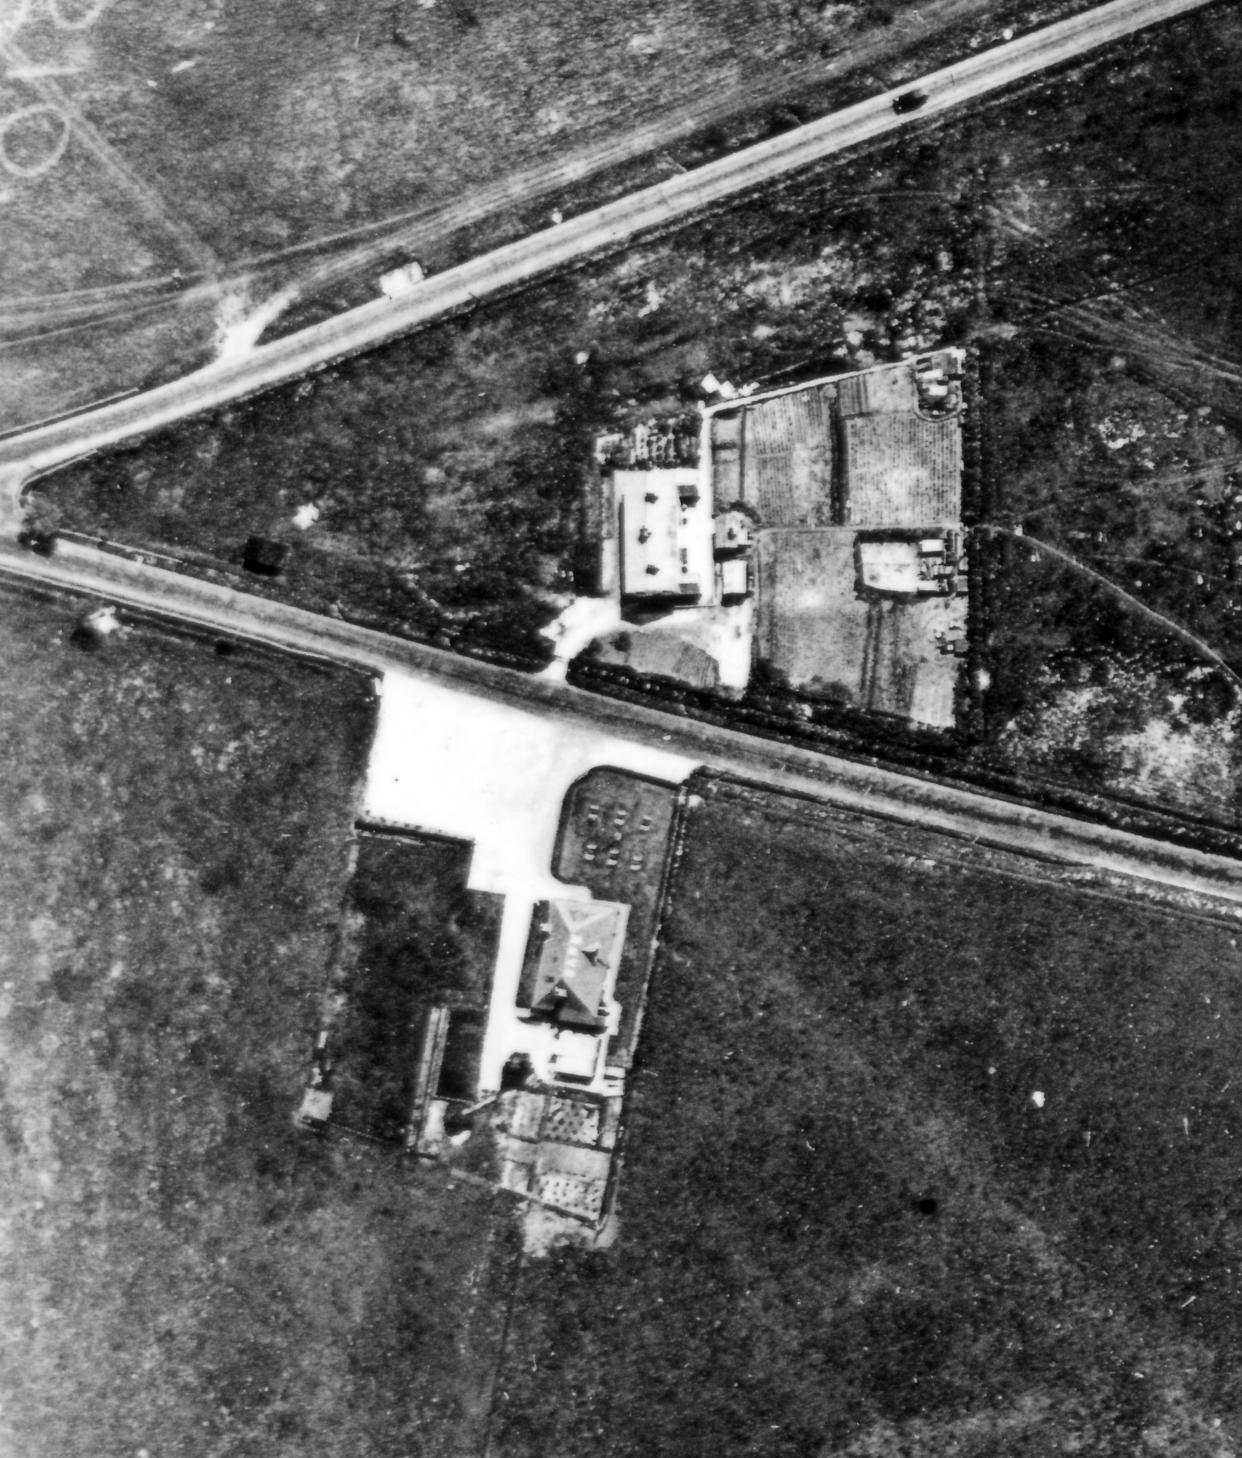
x,y
621,718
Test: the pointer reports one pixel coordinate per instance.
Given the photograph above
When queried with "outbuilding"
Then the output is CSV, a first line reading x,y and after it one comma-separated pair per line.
x,y
265,557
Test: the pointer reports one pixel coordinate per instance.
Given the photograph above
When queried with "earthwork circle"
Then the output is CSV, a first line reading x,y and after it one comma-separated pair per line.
x,y
44,164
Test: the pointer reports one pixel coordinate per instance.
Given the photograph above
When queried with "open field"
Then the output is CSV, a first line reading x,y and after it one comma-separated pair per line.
x,y
445,469
233,151
418,939
183,1271
928,1153
253,134
1139,482
1085,688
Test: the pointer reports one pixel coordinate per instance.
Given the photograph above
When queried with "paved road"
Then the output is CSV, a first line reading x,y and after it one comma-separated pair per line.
x,y
1194,876
562,246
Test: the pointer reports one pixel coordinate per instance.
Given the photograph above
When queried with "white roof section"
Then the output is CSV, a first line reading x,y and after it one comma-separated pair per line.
x,y
665,531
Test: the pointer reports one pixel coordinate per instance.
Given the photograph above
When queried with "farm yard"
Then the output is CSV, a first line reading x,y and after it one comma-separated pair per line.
x,y
837,518
615,838
867,449
884,655
821,469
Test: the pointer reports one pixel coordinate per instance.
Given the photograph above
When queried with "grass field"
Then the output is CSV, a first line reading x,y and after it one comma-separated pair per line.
x,y
929,1153
183,1271
1084,687
358,112
446,470
204,142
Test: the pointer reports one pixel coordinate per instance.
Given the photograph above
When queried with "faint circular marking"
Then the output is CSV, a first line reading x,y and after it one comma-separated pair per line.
x,y
44,164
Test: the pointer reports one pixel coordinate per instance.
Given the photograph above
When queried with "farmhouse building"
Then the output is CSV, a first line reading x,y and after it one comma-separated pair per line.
x,y
733,578
571,963
665,535
734,531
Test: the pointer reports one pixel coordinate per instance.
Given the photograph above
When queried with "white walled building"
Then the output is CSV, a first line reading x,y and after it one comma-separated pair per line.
x,y
665,535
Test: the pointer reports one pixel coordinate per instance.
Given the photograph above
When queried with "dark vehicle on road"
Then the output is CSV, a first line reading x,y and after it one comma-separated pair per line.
x,y
909,101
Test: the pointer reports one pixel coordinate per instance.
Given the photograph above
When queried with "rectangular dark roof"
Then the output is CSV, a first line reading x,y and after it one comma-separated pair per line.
x,y
571,960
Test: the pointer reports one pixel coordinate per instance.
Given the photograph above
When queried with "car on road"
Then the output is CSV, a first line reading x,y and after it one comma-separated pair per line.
x,y
909,101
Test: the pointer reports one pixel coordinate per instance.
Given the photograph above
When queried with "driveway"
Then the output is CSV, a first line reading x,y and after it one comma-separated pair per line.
x,y
495,775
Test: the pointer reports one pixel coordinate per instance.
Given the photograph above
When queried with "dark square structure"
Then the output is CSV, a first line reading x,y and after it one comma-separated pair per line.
x,y
265,557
